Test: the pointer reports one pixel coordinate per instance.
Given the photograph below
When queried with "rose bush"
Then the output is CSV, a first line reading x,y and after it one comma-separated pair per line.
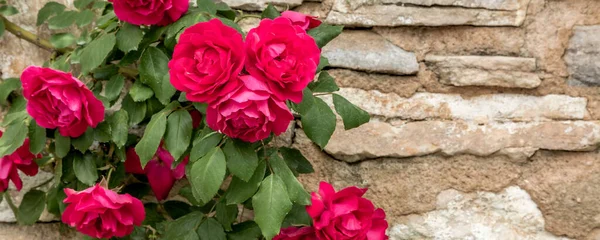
x,y
159,97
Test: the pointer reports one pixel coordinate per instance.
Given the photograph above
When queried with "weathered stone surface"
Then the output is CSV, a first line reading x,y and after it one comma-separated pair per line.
x,y
497,71
6,214
480,109
259,5
510,214
380,139
488,4
583,56
46,231
367,51
367,13
404,86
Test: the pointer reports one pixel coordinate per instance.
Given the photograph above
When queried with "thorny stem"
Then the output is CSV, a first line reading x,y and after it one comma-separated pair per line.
x,y
31,37
10,203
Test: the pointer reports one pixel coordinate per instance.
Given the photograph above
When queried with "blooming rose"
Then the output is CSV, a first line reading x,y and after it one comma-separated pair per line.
x,y
58,100
160,175
346,215
249,112
297,233
304,21
196,118
21,159
207,61
282,55
150,12
102,213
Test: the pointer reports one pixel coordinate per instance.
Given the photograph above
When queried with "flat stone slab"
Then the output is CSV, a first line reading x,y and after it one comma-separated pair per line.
x,y
583,56
259,5
480,109
382,139
418,13
368,51
495,71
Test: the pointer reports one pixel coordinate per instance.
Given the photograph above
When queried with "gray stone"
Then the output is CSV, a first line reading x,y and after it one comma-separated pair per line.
x,y
6,214
510,214
368,13
583,56
368,51
259,5
480,109
487,4
381,139
498,71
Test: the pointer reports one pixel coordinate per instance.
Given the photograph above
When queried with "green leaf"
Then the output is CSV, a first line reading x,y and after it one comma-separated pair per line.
x,y
119,127
245,231
7,10
153,134
85,168
295,189
129,37
308,100
325,83
83,142
352,115
324,33
84,18
296,161
62,144
207,174
63,20
113,87
323,62
232,24
211,230
94,53
186,192
154,72
239,191
176,209
82,4
319,123
61,63
37,137
140,92
205,142
12,117
270,12
13,138
179,132
31,208
182,226
103,133
2,27
297,217
226,214
50,9
190,236
135,110
271,204
8,86
241,158
224,10
208,6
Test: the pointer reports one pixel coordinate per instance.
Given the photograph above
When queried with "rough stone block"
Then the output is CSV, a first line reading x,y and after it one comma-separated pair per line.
x,y
583,56
259,5
368,51
498,71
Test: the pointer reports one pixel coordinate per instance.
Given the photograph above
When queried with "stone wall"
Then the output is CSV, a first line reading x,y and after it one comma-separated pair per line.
x,y
485,112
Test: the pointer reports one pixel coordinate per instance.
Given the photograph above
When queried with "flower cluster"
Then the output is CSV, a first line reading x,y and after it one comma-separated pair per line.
x,y
21,159
343,215
246,84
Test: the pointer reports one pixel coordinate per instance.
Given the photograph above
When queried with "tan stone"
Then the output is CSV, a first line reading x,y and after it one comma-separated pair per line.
x,y
380,139
404,86
488,4
366,14
46,231
481,109
497,71
259,5
367,51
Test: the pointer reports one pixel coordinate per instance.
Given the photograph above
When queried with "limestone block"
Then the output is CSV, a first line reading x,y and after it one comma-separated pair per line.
x,y
480,109
418,13
259,5
368,51
583,56
498,71
381,139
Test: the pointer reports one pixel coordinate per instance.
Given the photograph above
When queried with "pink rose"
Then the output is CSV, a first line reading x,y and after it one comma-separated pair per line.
x,y
21,159
160,175
346,215
56,99
306,22
150,12
249,113
207,61
297,233
102,213
282,55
